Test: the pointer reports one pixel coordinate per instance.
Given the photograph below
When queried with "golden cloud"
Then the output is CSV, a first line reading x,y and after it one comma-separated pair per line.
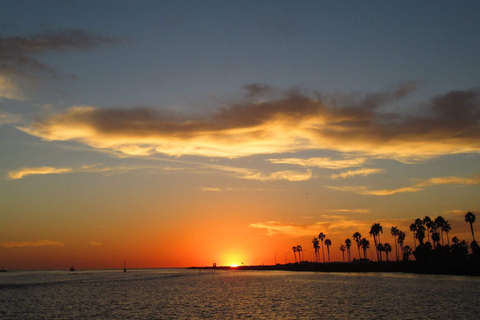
x,y
39,243
327,163
419,186
447,125
361,172
280,175
22,172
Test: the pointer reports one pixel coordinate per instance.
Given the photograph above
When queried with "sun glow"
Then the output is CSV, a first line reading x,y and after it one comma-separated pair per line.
x,y
233,265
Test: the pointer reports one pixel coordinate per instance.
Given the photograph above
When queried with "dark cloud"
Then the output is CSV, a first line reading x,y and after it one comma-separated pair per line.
x,y
19,55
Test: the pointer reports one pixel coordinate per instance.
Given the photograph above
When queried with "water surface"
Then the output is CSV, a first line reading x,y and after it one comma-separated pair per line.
x,y
188,294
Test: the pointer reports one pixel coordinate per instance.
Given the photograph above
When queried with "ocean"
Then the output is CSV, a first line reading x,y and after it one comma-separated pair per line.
x,y
211,294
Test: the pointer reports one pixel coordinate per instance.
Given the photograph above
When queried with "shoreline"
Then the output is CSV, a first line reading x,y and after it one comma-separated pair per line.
x,y
446,268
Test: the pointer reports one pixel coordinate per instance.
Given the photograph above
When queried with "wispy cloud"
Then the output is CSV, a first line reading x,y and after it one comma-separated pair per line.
x,y
107,170
350,124
6,118
361,172
280,175
334,225
210,189
40,243
19,54
23,172
350,210
327,163
419,186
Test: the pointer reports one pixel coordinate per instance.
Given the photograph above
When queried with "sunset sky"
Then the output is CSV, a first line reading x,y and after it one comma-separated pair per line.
x,y
181,133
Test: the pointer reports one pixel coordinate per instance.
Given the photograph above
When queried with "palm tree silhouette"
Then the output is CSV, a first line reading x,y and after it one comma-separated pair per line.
x,y
470,218
343,248
316,247
358,238
435,239
299,250
401,238
380,249
388,248
413,228
428,224
348,244
394,232
294,249
440,223
375,231
328,243
321,237
407,251
447,227
365,244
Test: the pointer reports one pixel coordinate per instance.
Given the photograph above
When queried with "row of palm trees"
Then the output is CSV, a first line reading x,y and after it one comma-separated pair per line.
x,y
421,227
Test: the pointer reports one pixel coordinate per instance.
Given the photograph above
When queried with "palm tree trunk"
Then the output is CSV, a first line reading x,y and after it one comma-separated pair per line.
x,y
359,255
323,253
471,228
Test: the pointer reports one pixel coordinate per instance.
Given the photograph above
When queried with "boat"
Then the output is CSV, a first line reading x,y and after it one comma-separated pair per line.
x,y
124,266
72,268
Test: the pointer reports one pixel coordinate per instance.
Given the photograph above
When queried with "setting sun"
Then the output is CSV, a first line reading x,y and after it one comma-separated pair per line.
x,y
234,265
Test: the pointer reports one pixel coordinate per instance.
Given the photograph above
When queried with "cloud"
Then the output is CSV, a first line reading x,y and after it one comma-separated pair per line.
x,y
449,180
19,54
23,172
7,118
351,173
108,170
352,124
8,89
210,189
39,243
350,210
332,227
280,175
419,186
287,229
327,163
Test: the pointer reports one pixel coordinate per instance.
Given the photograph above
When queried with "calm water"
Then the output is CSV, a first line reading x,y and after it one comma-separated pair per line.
x,y
188,294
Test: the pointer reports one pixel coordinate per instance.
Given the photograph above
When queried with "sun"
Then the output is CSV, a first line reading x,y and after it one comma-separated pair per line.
x,y
233,265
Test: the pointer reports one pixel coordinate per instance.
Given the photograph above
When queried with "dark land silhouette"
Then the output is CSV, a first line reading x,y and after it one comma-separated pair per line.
x,y
434,256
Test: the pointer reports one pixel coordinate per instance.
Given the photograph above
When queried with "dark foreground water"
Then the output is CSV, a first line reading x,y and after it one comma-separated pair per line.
x,y
188,294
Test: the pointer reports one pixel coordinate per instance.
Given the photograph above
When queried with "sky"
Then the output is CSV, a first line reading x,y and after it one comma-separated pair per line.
x,y
187,133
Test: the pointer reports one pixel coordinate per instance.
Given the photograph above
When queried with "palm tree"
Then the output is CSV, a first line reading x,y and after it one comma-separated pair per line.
x,y
435,239
447,227
401,239
407,251
394,232
380,249
365,244
343,248
299,250
315,247
428,224
321,237
375,231
294,249
439,223
420,230
348,244
388,249
470,218
413,228
328,243
358,238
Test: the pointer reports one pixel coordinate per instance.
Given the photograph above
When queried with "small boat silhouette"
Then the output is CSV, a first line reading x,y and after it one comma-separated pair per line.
x,y
72,268
124,266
